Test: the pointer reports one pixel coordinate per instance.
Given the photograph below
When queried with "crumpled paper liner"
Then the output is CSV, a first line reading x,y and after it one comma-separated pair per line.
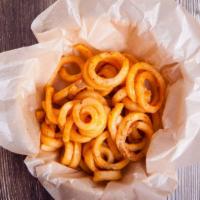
x,y
156,31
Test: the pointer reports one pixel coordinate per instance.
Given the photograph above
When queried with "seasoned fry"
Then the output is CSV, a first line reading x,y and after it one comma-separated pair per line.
x,y
137,91
114,119
48,105
76,158
107,175
132,106
142,122
105,118
52,142
89,93
40,115
64,74
85,51
119,95
64,111
77,137
97,113
68,153
47,130
69,91
94,80
100,161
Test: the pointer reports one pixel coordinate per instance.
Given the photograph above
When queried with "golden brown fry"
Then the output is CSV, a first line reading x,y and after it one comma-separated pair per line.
x,y
84,167
132,106
64,74
91,93
113,148
106,175
108,71
142,122
156,121
40,115
99,83
119,95
97,114
76,158
69,91
47,130
136,88
48,105
52,142
89,160
114,118
67,129
100,161
64,111
76,137
68,153
102,118
85,51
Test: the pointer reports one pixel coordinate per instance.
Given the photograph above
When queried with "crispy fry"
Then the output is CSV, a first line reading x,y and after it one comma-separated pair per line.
x,y
64,111
114,118
52,142
113,148
106,175
68,153
76,158
84,167
67,129
100,161
40,115
132,106
108,71
85,51
119,95
100,83
89,160
47,130
136,89
143,123
64,74
93,94
97,113
106,116
69,91
48,105
76,137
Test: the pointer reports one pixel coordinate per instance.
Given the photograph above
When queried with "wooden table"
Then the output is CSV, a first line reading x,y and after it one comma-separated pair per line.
x,y
16,183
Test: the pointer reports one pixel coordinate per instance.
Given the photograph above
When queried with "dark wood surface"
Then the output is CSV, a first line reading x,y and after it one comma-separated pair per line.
x,y
16,16
15,181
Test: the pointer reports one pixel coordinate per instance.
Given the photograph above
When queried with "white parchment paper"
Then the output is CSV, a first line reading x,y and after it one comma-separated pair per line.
x,y
156,31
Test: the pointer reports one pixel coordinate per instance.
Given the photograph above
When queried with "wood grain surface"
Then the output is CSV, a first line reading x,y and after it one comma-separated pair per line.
x,y
15,181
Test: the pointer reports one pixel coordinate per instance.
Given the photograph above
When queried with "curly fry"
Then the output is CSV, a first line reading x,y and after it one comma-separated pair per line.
x,y
48,105
119,95
85,51
106,175
68,153
100,161
64,74
69,91
136,89
100,83
114,118
141,122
